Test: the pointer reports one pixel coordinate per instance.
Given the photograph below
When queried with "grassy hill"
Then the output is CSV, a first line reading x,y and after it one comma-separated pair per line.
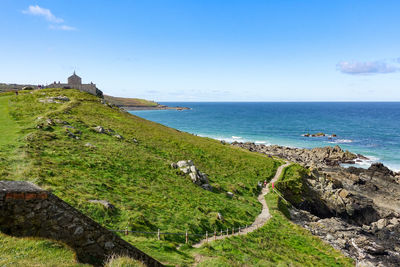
x,y
55,146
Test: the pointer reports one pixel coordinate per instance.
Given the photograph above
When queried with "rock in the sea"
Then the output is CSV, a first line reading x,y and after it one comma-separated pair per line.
x,y
379,167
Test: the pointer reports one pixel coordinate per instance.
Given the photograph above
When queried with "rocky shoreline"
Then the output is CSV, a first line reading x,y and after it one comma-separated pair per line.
x,y
355,210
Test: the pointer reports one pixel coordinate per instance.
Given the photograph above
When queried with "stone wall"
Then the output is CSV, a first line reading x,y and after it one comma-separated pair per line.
x,y
27,210
89,88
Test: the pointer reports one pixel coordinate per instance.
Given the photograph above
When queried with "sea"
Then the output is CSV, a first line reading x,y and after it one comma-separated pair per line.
x,y
368,128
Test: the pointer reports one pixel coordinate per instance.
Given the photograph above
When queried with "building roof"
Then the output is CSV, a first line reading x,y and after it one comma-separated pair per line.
x,y
73,75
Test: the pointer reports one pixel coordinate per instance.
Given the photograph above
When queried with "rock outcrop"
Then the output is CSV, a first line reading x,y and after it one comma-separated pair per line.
x,y
356,210
316,157
188,168
56,99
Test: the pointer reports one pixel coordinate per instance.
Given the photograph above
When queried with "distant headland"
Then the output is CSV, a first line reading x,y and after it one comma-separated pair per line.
x,y
138,104
75,82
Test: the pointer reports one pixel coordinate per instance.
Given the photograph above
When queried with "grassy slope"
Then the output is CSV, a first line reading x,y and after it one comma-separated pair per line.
x,y
278,243
34,252
24,251
137,179
130,102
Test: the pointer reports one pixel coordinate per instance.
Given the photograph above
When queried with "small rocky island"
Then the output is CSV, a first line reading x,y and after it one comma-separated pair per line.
x,y
356,210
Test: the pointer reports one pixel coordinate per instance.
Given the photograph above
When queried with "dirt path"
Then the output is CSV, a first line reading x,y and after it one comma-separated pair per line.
x,y
260,220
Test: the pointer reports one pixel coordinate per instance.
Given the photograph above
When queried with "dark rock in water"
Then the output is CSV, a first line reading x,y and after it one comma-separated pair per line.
x,y
362,157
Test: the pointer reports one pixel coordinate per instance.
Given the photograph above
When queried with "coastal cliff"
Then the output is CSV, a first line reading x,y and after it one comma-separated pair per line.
x,y
354,209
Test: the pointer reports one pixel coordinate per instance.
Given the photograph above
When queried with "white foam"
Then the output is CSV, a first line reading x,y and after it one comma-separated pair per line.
x,y
236,137
363,163
340,141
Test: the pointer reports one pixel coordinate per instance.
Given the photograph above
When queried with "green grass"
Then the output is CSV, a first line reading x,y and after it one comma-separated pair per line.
x,y
137,179
292,184
34,252
123,262
278,243
8,127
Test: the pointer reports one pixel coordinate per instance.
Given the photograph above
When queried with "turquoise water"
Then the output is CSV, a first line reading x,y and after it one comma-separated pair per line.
x,y
371,129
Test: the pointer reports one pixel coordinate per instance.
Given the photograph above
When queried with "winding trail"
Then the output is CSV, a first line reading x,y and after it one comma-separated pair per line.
x,y
260,220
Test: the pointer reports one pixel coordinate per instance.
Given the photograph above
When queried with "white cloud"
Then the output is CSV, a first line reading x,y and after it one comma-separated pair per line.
x,y
46,13
62,27
372,67
42,12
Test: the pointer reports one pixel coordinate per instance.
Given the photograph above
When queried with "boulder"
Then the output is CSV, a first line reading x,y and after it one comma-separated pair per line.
x,y
206,187
118,136
99,129
58,121
182,163
197,177
193,176
185,170
230,194
70,134
344,193
105,203
382,223
193,169
61,98
394,221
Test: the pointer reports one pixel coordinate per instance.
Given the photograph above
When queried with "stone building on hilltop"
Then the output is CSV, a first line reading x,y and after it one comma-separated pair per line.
x,y
75,82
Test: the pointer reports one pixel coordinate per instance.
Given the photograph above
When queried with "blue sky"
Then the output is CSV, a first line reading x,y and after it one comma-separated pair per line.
x,y
184,50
